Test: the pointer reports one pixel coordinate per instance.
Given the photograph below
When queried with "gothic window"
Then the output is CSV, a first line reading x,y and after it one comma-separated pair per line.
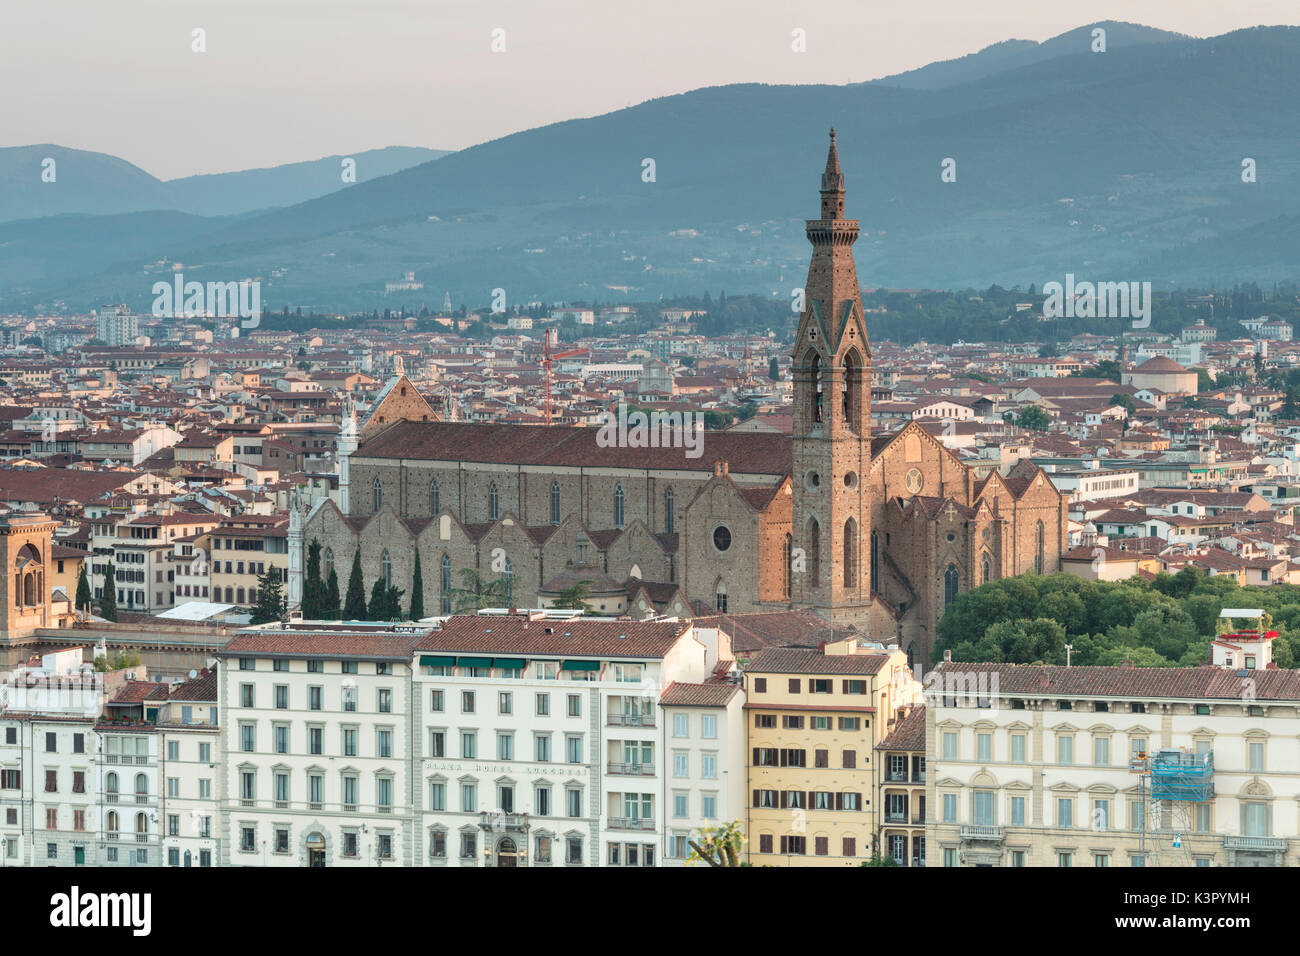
x,y
721,595
850,553
379,493
329,562
555,502
816,378
386,569
494,503
787,554
875,562
987,570
618,506
815,552
670,524
433,497
852,397
446,584
509,575
950,581
1038,548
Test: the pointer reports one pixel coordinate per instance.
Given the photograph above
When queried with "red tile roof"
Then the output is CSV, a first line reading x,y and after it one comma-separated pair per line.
x,y
578,638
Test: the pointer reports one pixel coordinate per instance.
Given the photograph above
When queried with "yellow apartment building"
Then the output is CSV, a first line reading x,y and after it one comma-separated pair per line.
x,y
813,719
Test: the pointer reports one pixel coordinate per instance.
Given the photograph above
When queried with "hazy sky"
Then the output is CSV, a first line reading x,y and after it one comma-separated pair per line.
x,y
288,80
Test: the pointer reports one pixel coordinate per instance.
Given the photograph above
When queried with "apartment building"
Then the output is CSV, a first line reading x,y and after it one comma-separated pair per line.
x,y
126,771
814,718
705,724
189,741
1114,766
243,548
541,741
316,733
900,792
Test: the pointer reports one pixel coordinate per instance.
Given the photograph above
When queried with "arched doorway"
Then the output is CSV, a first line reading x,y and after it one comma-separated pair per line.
x,y
507,853
315,850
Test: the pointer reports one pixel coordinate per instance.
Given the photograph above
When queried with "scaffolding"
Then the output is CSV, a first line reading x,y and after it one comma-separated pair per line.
x,y
1180,775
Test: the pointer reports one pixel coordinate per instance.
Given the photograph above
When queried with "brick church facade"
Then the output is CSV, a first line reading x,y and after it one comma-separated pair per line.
x,y
876,531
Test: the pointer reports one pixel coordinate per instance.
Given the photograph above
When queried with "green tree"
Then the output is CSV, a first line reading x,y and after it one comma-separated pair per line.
x,y
574,596
108,603
1125,401
354,605
477,592
313,588
377,609
718,846
878,860
84,599
774,370
1034,418
332,610
270,598
417,589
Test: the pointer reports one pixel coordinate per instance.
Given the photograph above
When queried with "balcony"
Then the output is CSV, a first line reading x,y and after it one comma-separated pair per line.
x,y
632,769
895,817
1255,843
501,820
630,720
630,823
978,832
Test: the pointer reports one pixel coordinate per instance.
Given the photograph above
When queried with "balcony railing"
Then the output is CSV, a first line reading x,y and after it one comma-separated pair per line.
x,y
1267,844
503,821
894,817
632,769
975,831
631,720
631,823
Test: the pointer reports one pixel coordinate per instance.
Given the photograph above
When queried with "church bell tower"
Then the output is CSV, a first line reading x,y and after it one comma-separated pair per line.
x,y
831,523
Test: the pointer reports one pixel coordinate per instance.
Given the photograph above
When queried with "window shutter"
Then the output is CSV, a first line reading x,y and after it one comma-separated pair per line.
x,y
839,800
783,807
757,761
846,686
757,801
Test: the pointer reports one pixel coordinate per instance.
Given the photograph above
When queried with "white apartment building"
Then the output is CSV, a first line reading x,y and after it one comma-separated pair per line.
x,y
189,741
1113,766
126,773
705,728
541,742
315,731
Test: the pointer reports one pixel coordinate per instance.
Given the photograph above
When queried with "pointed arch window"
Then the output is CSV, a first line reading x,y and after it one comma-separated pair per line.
x,y
494,502
875,562
1039,543
670,519
850,553
445,584
986,570
434,503
815,552
509,576
816,386
720,594
618,506
852,395
555,502
378,489
386,569
787,555
329,562
951,580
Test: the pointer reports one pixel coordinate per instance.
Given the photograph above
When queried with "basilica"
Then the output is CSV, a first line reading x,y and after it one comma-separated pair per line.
x,y
878,531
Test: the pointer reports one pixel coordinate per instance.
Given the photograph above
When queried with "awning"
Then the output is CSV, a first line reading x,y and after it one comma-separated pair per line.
x,y
580,666
509,663
473,662
430,660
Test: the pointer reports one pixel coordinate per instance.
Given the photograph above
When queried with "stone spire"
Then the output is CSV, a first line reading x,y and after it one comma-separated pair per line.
x,y
832,184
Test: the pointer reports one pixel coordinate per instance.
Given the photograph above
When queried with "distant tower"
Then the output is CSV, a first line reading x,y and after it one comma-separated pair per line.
x,y
25,542
446,302
347,445
294,596
832,445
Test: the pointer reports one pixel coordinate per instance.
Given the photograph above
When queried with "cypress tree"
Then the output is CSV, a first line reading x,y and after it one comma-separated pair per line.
x,y
354,606
313,589
83,591
332,611
108,604
378,609
417,590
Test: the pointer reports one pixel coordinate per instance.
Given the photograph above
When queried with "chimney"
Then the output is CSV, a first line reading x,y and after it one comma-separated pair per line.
x,y
947,657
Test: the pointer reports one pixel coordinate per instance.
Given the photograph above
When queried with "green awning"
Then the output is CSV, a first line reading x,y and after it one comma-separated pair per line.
x,y
581,666
473,662
430,660
509,663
